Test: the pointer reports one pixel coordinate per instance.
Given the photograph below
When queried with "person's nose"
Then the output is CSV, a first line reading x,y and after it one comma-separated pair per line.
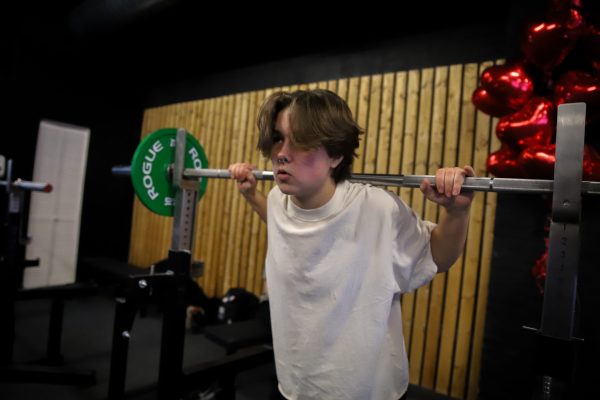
x,y
284,153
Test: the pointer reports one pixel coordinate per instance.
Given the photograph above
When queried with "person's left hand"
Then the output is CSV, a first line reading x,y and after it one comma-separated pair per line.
x,y
448,183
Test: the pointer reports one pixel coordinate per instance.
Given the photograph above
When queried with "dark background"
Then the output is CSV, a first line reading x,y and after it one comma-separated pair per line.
x,y
101,63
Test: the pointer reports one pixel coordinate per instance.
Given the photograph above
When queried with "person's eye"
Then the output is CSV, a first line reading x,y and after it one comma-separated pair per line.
x,y
277,138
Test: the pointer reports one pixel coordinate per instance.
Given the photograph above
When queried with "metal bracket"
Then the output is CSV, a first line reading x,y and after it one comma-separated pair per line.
x,y
185,199
560,291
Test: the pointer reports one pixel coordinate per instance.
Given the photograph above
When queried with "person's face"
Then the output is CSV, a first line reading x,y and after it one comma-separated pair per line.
x,y
303,174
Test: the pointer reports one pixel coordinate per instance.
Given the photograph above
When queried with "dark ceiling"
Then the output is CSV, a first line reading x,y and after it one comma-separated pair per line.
x,y
135,41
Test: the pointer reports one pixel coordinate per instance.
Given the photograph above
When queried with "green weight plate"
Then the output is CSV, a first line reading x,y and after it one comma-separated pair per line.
x,y
149,169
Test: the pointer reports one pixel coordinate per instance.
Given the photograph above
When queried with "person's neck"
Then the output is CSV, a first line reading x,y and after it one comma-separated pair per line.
x,y
317,199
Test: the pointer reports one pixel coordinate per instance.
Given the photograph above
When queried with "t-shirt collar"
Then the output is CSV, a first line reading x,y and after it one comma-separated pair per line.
x,y
317,214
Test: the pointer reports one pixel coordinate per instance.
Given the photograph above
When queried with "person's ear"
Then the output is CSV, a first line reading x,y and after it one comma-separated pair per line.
x,y
336,161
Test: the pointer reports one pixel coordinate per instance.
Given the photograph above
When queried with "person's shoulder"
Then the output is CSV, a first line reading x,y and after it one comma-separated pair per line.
x,y
372,195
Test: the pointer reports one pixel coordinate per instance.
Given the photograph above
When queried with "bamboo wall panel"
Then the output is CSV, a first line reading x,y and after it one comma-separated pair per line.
x,y
415,121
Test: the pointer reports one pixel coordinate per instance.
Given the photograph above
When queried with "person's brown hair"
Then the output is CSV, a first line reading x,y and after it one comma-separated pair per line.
x,y
317,117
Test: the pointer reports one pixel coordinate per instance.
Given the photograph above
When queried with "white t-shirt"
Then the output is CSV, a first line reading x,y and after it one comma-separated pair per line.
x,y
335,275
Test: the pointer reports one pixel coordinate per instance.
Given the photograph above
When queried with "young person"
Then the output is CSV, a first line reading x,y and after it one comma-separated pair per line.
x,y
340,254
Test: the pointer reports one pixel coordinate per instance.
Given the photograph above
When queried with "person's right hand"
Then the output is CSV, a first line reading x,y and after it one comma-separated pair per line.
x,y
242,173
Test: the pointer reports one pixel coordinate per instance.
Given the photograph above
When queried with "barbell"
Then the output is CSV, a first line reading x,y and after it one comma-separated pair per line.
x,y
151,173
19,184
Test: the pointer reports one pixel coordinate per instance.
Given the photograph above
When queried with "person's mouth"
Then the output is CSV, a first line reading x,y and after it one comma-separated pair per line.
x,y
283,174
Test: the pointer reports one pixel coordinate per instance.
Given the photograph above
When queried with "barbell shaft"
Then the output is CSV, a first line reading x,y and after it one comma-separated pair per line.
x,y
478,184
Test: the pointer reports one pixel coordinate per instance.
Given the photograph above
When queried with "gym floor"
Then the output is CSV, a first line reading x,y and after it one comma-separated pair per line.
x,y
86,345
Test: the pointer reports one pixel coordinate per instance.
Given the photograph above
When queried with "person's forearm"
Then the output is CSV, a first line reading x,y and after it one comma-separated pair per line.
x,y
258,202
448,238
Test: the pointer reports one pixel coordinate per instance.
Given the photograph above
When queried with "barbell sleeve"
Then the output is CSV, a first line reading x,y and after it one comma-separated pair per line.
x,y
121,170
28,185
224,174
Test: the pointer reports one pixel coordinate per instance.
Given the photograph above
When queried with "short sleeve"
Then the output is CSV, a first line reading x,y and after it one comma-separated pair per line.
x,y
411,248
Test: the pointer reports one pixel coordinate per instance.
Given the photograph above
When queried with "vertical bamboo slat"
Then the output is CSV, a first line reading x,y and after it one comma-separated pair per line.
x,y
385,124
362,117
398,122
342,89
452,278
408,168
235,228
431,213
197,109
217,209
371,142
421,297
226,216
209,203
471,252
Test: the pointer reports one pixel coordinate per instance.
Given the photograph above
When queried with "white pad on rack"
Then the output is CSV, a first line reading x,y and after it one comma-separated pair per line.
x,y
54,218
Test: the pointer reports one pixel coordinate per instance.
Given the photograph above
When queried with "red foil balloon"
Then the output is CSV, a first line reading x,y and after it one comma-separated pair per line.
x,y
540,269
489,104
507,83
548,43
591,46
538,161
591,164
530,126
564,5
504,163
579,86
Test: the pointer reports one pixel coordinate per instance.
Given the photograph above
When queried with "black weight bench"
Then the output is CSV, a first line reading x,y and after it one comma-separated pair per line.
x,y
106,270
50,370
57,294
238,335
247,335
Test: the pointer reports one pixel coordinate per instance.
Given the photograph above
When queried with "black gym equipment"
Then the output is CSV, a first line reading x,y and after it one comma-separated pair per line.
x,y
173,382
12,264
